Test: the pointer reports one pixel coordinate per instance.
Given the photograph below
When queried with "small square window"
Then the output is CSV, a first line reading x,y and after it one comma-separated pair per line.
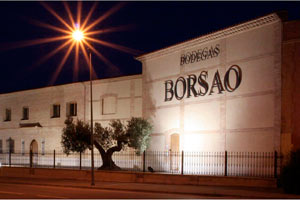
x,y
72,109
7,114
55,111
25,113
109,105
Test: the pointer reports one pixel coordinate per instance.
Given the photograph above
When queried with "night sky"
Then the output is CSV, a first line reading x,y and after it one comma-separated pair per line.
x,y
153,25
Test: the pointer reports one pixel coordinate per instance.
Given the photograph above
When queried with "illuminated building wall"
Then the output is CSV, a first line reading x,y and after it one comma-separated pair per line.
x,y
221,91
115,98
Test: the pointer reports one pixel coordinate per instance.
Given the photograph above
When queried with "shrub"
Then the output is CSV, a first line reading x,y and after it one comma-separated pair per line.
x,y
290,175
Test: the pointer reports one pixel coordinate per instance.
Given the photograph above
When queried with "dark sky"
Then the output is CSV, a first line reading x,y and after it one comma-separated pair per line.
x,y
155,25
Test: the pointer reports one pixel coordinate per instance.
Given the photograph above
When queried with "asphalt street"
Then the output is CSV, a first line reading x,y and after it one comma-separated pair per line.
x,y
56,188
23,191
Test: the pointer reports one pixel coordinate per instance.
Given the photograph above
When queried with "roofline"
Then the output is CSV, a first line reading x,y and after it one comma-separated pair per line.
x,y
104,80
225,32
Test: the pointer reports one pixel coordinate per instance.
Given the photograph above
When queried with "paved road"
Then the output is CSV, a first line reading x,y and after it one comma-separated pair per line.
x,y
41,188
22,191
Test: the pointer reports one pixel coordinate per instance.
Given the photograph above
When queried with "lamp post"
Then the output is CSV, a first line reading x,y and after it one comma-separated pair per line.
x,y
78,36
92,134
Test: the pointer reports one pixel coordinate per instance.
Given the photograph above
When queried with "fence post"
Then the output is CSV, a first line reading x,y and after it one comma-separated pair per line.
x,y
225,165
54,158
275,164
9,157
144,161
31,155
182,159
80,160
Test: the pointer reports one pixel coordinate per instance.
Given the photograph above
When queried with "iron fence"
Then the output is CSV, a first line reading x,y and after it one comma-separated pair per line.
x,y
252,164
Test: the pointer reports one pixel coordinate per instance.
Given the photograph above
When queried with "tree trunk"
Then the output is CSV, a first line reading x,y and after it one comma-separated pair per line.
x,y
108,163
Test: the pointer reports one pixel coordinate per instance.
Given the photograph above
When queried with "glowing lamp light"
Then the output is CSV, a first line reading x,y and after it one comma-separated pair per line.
x,y
77,35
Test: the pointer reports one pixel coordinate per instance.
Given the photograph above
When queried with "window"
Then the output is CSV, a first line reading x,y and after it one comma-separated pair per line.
x,y
7,114
72,109
43,147
10,145
109,105
1,146
55,110
23,147
25,113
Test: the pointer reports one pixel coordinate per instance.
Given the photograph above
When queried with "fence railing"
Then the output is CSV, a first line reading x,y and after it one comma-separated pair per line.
x,y
253,164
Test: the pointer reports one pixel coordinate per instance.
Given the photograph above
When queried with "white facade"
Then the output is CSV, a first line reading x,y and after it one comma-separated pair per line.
x,y
242,117
213,113
121,98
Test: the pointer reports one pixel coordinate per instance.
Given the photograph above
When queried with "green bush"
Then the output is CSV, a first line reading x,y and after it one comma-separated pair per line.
x,y
290,175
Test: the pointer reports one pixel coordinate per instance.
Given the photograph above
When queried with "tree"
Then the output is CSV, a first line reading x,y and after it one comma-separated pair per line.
x,y
76,137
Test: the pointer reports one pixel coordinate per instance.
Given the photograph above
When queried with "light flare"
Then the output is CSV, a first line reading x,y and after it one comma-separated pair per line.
x,y
105,60
69,13
77,36
86,58
89,14
62,62
53,52
79,7
106,15
48,26
114,46
109,30
56,15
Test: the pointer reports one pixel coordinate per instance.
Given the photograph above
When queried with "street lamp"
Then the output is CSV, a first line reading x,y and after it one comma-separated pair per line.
x,y
78,36
92,134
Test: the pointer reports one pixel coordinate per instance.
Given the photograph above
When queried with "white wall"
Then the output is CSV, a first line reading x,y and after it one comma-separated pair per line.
x,y
247,119
127,91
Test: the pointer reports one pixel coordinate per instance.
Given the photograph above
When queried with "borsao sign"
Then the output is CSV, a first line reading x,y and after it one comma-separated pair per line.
x,y
193,85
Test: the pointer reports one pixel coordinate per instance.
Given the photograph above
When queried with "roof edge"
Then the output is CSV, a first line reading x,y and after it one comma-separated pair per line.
x,y
95,81
267,19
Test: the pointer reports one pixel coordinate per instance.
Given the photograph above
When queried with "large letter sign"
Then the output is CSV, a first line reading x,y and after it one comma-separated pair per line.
x,y
169,90
198,86
216,83
182,80
238,74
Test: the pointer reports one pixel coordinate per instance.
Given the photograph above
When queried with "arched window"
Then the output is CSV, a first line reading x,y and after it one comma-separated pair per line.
x,y
10,145
34,147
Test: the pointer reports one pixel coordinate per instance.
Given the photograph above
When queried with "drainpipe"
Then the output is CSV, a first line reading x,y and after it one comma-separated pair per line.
x,y
84,101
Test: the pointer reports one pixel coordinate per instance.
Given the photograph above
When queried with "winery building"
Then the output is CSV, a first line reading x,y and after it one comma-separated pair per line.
x,y
235,89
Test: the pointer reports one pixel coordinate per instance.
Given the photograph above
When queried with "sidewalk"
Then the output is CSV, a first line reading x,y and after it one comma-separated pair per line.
x,y
238,192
